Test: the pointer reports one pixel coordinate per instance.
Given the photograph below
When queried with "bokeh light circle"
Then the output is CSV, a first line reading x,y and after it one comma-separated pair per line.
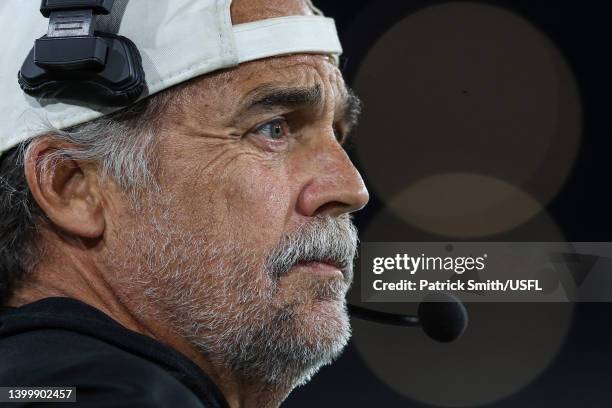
x,y
466,88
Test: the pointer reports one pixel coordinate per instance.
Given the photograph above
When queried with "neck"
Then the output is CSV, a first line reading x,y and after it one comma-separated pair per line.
x,y
89,284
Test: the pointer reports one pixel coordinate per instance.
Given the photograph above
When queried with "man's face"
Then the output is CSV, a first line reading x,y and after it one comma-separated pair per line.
x,y
248,246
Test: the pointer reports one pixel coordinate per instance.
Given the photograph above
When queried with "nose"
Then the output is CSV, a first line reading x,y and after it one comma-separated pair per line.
x,y
335,186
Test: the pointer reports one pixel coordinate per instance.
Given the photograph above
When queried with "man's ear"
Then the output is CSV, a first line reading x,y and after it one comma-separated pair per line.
x,y
66,190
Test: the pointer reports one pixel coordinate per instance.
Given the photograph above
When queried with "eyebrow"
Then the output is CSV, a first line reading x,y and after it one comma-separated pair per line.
x,y
267,98
270,97
351,109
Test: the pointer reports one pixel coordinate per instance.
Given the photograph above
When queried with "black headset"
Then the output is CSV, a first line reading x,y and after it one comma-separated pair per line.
x,y
441,316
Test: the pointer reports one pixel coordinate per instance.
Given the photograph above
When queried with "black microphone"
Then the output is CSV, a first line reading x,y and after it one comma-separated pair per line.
x,y
441,316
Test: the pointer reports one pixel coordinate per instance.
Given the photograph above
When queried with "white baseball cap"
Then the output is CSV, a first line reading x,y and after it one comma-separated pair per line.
x,y
177,40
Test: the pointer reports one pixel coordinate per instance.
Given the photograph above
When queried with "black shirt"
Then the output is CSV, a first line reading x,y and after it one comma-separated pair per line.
x,y
62,342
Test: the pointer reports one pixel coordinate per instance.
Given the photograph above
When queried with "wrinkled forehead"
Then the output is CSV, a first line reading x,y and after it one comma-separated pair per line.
x,y
306,70
225,93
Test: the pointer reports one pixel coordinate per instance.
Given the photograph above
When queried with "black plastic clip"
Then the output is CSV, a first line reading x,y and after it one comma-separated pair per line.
x,y
76,62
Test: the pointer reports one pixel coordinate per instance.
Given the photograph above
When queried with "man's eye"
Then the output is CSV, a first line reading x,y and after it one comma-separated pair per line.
x,y
275,129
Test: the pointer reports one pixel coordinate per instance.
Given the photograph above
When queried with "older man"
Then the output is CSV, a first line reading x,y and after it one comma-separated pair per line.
x,y
193,249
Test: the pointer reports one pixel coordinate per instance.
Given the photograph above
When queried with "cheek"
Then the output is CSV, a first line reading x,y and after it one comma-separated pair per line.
x,y
243,198
258,204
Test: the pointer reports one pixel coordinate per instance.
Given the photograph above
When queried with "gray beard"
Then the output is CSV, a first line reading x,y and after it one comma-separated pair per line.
x,y
233,320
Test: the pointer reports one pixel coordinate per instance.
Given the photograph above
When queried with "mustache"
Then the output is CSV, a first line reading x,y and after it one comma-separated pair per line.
x,y
326,239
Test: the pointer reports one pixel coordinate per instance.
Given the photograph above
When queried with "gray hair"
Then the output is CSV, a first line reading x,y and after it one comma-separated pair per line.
x,y
123,145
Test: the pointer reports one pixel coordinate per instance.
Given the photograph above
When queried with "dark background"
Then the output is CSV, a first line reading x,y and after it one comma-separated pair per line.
x,y
579,375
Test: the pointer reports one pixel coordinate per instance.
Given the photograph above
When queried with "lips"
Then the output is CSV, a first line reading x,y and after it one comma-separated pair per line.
x,y
331,262
322,266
